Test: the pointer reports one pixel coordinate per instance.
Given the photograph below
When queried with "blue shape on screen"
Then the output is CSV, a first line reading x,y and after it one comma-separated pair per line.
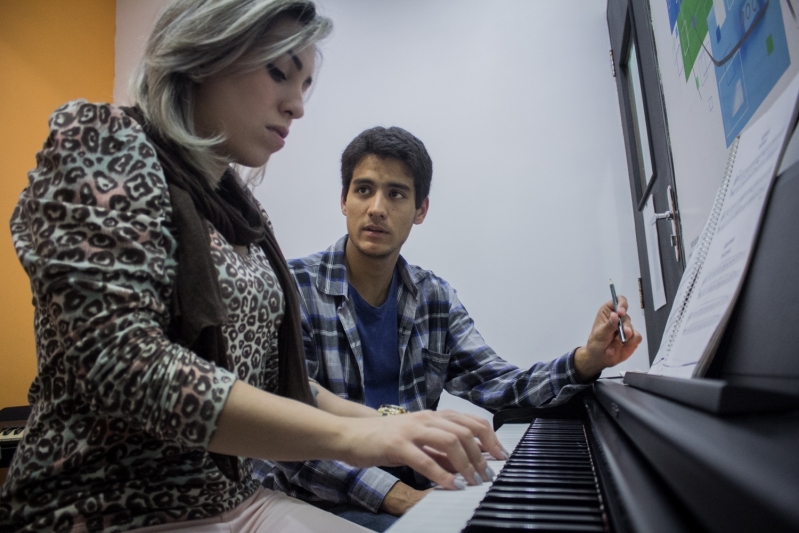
x,y
674,10
749,76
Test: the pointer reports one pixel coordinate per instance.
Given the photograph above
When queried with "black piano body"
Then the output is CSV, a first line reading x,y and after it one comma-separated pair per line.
x,y
719,454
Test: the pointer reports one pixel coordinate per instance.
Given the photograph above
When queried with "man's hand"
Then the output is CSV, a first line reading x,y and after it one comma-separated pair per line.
x,y
400,498
604,347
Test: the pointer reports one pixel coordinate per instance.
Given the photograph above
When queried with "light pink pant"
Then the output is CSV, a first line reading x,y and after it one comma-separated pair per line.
x,y
265,511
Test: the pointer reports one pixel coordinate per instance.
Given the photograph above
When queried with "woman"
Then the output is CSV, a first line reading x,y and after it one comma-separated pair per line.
x,y
167,327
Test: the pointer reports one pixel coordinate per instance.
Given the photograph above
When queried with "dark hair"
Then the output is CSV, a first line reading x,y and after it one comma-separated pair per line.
x,y
395,143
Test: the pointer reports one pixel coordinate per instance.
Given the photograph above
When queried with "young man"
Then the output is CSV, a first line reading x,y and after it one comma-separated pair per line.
x,y
380,331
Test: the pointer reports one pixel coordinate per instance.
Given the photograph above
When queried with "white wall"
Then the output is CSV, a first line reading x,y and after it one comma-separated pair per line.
x,y
530,204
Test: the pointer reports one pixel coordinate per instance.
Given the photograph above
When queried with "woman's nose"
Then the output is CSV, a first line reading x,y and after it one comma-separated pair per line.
x,y
294,104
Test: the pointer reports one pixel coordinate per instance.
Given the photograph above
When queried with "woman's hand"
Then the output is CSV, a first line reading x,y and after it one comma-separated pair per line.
x,y
437,445
254,423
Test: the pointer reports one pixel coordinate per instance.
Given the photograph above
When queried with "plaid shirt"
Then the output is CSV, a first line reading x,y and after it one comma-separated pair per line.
x,y
439,349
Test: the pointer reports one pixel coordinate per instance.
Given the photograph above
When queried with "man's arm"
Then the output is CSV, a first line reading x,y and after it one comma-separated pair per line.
x,y
401,498
480,376
327,401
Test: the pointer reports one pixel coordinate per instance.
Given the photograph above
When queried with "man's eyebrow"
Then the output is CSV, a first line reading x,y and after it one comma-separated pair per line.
x,y
362,181
399,185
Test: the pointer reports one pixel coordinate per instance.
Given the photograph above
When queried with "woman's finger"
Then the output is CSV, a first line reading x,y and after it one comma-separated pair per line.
x,y
458,443
481,429
425,463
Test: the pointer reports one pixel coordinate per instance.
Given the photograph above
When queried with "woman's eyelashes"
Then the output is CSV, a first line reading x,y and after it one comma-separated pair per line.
x,y
276,73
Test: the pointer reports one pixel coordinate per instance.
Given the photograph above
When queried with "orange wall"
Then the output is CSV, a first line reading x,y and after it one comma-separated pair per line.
x,y
51,51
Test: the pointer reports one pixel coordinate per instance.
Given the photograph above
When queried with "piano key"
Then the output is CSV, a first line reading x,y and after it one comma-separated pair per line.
x,y
446,511
10,434
488,526
548,484
566,510
531,516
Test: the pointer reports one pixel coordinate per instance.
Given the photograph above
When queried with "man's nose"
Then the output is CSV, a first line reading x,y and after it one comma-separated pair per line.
x,y
377,207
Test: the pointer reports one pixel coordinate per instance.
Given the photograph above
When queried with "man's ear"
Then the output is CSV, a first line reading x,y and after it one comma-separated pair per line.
x,y
344,202
422,211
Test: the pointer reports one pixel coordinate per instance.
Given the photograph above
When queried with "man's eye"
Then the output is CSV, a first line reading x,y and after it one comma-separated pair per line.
x,y
275,72
362,190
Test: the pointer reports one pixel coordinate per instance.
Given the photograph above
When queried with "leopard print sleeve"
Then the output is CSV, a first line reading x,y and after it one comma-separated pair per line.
x,y
92,230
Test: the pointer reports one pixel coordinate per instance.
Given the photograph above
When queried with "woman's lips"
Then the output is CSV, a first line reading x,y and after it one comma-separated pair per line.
x,y
280,130
279,135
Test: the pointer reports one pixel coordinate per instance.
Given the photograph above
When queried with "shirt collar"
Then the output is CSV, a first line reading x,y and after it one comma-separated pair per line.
x,y
332,278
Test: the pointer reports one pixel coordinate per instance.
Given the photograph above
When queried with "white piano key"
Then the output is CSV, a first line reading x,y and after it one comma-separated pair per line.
x,y
447,511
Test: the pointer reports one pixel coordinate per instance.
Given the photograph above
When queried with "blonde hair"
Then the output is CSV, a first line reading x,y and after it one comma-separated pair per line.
x,y
195,39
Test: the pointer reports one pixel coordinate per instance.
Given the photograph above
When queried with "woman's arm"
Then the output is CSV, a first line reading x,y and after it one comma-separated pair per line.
x,y
254,423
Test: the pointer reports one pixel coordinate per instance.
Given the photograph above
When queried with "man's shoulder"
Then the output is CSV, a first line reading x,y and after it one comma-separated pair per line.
x,y
305,269
307,263
425,279
322,272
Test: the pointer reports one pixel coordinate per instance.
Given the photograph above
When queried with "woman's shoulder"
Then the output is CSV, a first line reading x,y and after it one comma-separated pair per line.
x,y
86,115
99,151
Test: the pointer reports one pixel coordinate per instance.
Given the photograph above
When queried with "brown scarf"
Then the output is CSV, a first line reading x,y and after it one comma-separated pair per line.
x,y
198,312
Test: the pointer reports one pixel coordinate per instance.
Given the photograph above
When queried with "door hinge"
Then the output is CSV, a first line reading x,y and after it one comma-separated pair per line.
x,y
612,64
641,292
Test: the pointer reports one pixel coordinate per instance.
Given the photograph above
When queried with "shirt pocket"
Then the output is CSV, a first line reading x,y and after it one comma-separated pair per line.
x,y
435,375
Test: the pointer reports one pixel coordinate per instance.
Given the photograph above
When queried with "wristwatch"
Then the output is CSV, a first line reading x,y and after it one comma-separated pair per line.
x,y
388,409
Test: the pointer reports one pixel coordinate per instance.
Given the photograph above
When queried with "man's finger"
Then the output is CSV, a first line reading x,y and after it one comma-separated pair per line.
x,y
623,305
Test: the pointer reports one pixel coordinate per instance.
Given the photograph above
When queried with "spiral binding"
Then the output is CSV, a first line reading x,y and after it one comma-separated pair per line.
x,y
704,244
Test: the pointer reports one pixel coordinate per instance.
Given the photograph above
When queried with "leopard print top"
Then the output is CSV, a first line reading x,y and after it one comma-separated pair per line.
x,y
122,416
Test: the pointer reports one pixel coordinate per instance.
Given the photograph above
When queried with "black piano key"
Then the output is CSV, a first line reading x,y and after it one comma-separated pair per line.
x,y
546,475
562,465
528,498
566,510
489,526
539,481
530,516
547,484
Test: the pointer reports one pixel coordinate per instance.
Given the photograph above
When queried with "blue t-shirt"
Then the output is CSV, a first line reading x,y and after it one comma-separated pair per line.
x,y
377,327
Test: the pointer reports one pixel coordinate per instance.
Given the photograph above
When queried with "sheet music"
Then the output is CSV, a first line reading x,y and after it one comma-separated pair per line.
x,y
447,511
693,332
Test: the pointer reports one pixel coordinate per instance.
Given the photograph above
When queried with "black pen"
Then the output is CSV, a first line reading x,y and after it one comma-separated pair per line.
x,y
616,308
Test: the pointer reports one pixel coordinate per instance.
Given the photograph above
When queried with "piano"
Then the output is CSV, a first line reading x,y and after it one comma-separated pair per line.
x,y
718,454
12,424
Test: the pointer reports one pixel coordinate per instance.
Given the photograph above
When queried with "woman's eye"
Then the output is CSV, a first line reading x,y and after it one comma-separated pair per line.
x,y
275,72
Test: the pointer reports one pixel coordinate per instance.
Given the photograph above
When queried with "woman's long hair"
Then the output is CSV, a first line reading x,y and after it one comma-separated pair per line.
x,y
195,39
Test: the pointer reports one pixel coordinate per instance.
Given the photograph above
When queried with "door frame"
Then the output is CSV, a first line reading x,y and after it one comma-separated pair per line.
x,y
629,22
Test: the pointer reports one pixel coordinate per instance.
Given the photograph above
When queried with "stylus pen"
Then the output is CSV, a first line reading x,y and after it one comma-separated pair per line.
x,y
616,308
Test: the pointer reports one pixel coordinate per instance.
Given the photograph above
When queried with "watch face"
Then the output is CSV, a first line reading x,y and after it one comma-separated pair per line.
x,y
388,409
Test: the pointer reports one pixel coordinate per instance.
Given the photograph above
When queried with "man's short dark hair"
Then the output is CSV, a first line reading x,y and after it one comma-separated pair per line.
x,y
395,143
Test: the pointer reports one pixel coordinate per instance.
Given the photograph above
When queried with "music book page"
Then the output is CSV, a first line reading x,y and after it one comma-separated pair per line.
x,y
715,271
